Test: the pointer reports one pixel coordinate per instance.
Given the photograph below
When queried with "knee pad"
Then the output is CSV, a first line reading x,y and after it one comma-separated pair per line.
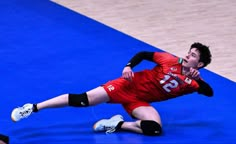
x,y
4,138
78,100
150,127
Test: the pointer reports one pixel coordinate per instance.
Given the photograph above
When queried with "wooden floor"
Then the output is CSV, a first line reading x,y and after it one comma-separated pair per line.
x,y
171,25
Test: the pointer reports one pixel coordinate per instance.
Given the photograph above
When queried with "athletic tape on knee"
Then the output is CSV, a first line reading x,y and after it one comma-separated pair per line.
x,y
150,127
78,100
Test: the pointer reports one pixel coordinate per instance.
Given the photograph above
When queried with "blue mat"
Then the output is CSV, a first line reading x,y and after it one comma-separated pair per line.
x,y
47,50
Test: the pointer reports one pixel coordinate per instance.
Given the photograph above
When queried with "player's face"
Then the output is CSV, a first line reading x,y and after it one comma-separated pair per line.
x,y
192,59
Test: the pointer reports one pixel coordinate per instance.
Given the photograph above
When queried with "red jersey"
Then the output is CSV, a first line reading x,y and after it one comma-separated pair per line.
x,y
164,81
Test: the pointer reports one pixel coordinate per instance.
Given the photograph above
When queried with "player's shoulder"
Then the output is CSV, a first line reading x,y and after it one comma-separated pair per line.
x,y
166,55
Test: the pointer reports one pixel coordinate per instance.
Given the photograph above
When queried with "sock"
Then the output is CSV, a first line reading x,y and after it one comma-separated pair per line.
x,y
118,127
35,109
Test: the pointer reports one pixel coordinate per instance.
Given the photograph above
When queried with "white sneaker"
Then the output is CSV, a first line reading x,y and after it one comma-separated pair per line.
x,y
108,125
21,112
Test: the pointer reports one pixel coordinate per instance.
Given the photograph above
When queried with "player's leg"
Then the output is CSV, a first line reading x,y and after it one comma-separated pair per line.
x,y
92,97
148,123
4,139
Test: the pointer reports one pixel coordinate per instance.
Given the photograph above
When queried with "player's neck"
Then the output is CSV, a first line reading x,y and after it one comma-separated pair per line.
x,y
185,70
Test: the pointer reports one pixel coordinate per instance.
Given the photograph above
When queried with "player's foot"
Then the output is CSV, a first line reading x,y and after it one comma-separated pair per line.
x,y
108,125
21,112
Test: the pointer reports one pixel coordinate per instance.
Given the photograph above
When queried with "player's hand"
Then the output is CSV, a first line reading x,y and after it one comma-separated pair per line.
x,y
193,74
127,73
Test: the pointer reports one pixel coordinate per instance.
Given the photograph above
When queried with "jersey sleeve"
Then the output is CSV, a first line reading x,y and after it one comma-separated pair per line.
x,y
144,55
204,88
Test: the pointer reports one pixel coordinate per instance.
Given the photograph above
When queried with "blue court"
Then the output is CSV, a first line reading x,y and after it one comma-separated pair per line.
x,y
48,50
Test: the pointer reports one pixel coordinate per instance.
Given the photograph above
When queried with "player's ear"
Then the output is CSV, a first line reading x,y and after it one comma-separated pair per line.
x,y
200,64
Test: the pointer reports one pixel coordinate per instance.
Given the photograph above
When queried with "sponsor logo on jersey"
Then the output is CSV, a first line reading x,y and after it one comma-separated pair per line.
x,y
188,80
173,69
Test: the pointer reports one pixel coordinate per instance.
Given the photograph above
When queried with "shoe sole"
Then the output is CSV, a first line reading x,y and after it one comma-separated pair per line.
x,y
12,117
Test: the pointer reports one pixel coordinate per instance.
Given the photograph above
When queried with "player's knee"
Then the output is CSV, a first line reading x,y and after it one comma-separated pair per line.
x,y
150,127
78,100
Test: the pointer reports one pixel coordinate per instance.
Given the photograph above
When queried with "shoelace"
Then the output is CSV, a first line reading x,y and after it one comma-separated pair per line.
x,y
110,130
25,113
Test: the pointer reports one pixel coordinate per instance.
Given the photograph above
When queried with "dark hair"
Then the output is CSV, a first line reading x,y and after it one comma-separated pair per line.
x,y
205,54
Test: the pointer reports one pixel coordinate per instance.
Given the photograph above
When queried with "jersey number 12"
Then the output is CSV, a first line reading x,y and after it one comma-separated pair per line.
x,y
168,86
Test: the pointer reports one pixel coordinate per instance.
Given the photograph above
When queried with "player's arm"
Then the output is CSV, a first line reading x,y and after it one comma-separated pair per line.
x,y
204,88
135,60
